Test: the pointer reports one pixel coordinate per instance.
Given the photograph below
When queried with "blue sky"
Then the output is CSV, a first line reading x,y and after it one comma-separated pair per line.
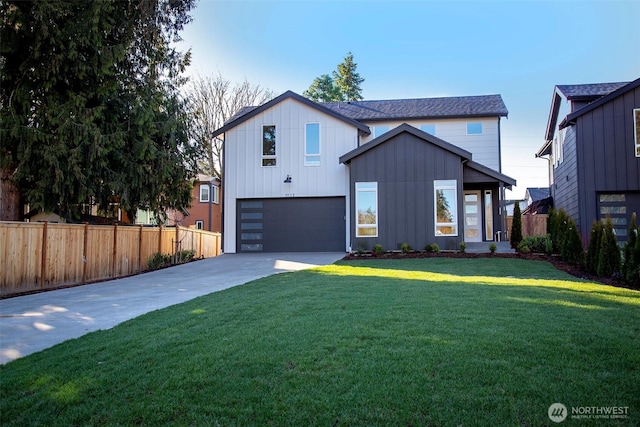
x,y
415,49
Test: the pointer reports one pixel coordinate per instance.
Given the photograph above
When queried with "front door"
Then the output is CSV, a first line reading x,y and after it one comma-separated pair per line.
x,y
472,216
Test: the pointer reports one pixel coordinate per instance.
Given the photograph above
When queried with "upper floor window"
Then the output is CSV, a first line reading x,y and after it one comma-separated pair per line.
x,y
379,130
474,128
312,144
366,209
430,129
269,145
204,192
199,224
446,207
216,194
636,125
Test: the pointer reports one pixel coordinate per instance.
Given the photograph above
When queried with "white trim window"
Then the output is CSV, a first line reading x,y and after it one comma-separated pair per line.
x,y
366,209
204,193
199,225
312,144
474,128
446,207
216,194
636,128
428,128
269,145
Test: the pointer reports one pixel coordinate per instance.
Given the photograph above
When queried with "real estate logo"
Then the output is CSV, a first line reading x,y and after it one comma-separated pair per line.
x,y
557,412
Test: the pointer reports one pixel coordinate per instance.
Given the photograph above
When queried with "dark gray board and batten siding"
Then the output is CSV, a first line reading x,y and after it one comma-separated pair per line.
x,y
605,157
405,167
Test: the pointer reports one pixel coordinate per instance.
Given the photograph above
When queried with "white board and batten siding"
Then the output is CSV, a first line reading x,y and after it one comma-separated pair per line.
x,y
246,178
484,147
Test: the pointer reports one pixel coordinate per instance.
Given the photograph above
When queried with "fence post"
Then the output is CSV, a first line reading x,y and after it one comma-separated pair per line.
x,y
84,252
115,250
43,264
140,250
160,239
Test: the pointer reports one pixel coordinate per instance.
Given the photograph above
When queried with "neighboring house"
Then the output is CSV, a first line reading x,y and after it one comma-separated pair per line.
x,y
306,176
594,153
205,212
509,205
537,201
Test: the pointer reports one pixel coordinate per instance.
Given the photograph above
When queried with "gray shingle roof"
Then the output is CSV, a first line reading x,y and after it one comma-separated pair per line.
x,y
400,109
589,90
538,193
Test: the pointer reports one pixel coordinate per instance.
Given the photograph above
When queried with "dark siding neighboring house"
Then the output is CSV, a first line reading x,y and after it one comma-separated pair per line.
x,y
595,163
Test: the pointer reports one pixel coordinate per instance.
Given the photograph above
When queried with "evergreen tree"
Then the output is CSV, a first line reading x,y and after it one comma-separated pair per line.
x,y
572,250
347,79
593,252
609,255
628,261
323,89
342,85
516,226
90,110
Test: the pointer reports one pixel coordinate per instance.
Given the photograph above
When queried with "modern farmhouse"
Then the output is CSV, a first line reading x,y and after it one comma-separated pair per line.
x,y
307,176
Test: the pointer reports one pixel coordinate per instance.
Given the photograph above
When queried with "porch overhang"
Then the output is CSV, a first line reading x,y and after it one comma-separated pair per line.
x,y
479,174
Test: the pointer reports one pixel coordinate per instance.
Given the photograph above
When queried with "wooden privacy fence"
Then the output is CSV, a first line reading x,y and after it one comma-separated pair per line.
x,y
38,256
532,225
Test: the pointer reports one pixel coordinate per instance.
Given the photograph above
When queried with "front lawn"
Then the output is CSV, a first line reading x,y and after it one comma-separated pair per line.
x,y
380,342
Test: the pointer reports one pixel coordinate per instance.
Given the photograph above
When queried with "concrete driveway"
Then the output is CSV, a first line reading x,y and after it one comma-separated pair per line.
x,y
35,322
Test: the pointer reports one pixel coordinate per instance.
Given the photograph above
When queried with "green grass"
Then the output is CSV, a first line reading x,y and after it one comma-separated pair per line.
x,y
382,342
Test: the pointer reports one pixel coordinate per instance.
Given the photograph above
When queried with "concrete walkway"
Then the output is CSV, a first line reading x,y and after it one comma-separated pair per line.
x,y
35,322
483,247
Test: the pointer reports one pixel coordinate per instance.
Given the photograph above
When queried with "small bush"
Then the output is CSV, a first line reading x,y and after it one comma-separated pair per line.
x,y
631,260
463,247
432,248
523,248
186,255
377,249
493,248
536,244
405,247
572,250
158,260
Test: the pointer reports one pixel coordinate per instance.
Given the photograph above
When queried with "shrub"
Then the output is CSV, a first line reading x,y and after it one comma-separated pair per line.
x,y
405,247
572,250
432,248
537,244
377,249
633,275
158,260
593,252
629,262
186,255
609,255
493,247
516,226
463,247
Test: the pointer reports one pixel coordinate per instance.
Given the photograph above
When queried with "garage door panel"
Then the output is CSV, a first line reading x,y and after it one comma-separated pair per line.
x,y
292,225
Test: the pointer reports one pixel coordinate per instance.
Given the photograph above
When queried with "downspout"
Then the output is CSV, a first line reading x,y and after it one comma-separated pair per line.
x,y
210,203
222,189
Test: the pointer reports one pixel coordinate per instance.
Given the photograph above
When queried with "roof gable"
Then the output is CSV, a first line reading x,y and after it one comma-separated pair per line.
x,y
250,112
346,158
402,109
490,173
570,119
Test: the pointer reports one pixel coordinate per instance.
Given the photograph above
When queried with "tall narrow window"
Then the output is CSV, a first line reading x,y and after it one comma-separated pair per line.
x,y
269,145
204,193
636,125
488,214
474,128
366,209
312,144
216,194
446,207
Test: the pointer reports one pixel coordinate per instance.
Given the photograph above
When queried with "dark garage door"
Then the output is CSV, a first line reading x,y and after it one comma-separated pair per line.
x,y
313,224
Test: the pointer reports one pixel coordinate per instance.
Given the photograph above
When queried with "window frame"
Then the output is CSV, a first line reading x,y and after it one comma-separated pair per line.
x,y
308,156
266,158
216,194
199,224
488,214
446,184
208,196
371,187
472,132
636,128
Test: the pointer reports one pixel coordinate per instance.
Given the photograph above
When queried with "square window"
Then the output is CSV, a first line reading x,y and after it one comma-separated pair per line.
x,y
379,130
200,225
474,128
430,129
